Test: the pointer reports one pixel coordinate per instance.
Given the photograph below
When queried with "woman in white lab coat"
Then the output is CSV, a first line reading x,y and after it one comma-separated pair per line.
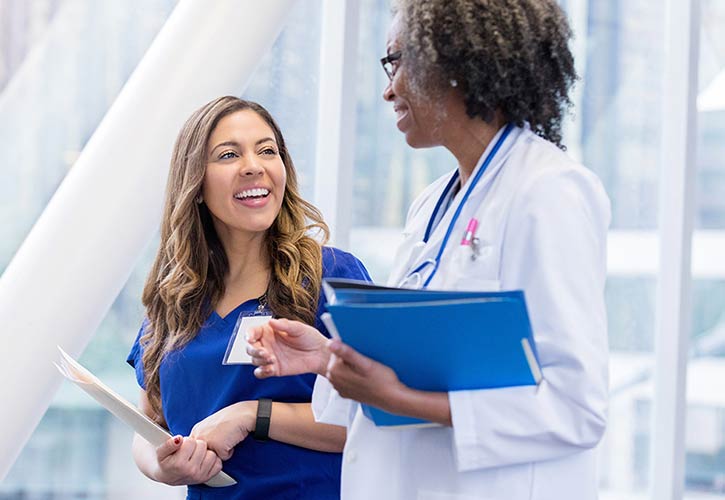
x,y
489,82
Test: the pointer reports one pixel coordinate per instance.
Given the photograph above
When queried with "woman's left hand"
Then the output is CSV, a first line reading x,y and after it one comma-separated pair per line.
x,y
226,428
358,377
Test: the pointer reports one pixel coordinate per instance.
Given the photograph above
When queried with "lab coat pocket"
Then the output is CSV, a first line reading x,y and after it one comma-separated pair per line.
x,y
472,269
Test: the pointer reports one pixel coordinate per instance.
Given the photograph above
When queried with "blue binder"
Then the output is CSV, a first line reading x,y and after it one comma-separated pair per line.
x,y
436,340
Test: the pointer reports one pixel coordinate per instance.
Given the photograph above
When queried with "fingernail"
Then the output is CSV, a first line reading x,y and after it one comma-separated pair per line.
x,y
177,439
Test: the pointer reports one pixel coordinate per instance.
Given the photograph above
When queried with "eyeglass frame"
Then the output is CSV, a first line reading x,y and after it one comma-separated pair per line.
x,y
390,59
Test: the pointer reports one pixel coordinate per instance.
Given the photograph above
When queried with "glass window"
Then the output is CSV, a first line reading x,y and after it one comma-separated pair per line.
x,y
286,84
62,64
616,132
705,417
50,105
388,174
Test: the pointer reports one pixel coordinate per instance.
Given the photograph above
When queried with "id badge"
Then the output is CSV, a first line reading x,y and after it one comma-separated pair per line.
x,y
237,349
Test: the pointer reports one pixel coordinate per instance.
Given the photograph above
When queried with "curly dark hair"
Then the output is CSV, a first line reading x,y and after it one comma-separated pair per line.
x,y
507,55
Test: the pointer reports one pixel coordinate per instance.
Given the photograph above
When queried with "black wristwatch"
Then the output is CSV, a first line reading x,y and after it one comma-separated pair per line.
x,y
264,414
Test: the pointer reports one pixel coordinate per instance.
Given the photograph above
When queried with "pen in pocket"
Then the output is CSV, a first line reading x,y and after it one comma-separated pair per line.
x,y
470,232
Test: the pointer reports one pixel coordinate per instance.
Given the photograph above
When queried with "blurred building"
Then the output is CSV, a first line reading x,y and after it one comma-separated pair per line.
x,y
63,62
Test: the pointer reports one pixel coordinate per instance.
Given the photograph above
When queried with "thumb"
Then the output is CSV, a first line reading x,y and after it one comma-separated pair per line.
x,y
288,327
225,454
358,362
168,447
255,333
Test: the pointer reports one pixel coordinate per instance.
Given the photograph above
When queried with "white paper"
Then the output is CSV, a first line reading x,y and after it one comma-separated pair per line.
x,y
122,409
237,349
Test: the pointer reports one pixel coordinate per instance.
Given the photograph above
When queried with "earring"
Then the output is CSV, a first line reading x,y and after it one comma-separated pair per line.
x,y
454,83
199,200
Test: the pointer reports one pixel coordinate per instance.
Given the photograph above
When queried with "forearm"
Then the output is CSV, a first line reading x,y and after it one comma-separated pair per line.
x,y
293,423
432,406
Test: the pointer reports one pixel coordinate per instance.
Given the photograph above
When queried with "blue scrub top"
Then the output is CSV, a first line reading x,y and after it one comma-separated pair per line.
x,y
195,384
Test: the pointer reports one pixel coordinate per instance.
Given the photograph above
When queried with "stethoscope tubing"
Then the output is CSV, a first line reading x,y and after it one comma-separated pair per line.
x,y
429,229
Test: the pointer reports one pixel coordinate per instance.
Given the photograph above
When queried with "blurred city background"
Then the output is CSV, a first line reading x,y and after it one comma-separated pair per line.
x,y
63,62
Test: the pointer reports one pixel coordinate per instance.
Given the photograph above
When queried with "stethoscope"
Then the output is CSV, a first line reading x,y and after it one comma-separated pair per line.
x,y
415,277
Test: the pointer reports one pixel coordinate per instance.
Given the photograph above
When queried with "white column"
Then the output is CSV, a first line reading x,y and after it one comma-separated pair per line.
x,y
676,208
65,276
336,117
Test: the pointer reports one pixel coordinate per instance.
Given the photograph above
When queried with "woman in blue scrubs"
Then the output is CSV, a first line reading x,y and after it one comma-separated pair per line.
x,y
236,240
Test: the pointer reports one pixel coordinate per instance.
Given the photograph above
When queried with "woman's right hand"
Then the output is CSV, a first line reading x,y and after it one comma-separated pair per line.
x,y
285,347
185,460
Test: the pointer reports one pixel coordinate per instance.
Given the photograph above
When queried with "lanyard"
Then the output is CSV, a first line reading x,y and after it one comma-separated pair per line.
x,y
472,184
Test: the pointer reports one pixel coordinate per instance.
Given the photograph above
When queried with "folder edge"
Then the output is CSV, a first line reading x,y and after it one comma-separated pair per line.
x,y
531,360
220,480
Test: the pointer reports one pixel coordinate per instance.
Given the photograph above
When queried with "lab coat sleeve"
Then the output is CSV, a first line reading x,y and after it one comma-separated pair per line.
x,y
554,248
328,406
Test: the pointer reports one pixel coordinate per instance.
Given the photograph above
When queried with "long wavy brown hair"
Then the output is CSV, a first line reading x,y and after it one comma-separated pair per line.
x,y
187,278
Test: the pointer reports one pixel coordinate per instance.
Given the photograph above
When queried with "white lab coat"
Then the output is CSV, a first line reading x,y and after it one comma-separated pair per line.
x,y
542,228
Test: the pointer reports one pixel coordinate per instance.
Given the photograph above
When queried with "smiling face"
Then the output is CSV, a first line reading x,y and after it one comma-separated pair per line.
x,y
418,116
244,181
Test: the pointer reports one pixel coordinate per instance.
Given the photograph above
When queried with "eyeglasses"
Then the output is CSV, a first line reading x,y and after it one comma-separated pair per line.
x,y
390,63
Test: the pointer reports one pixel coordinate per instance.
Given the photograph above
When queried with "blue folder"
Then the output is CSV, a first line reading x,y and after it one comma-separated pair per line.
x,y
436,340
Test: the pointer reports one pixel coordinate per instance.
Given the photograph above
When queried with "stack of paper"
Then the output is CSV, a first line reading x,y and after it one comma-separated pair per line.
x,y
436,340
125,411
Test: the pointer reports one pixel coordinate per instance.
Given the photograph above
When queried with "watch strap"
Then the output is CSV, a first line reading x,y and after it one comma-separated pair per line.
x,y
264,415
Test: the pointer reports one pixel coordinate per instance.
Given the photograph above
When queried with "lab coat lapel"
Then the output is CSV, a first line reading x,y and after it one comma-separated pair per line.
x,y
432,247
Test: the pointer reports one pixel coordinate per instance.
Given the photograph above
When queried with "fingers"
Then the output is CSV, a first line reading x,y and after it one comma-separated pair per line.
x,y
186,450
211,465
274,326
264,361
169,447
289,327
265,371
198,455
204,462
349,372
256,333
190,463
359,363
204,459
260,356
225,454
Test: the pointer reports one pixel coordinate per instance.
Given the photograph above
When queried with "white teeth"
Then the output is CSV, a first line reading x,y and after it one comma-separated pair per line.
x,y
252,193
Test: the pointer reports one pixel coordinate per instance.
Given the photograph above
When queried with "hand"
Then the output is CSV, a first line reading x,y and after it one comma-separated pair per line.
x,y
285,347
228,427
358,377
186,460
